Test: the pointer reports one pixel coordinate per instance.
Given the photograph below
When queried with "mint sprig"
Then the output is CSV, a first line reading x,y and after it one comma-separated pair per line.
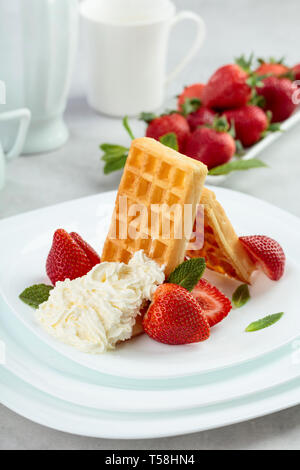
x,y
35,295
241,296
115,156
170,140
188,273
237,165
264,322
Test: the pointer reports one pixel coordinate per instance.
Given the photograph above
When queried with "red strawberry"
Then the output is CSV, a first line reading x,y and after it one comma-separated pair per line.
x,y
268,253
190,92
250,122
278,96
227,88
70,257
215,305
201,117
296,71
213,147
272,68
171,123
175,317
89,251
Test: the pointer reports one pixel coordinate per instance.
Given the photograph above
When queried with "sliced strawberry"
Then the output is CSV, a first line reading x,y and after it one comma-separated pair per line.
x,y
268,253
67,259
175,317
89,251
215,305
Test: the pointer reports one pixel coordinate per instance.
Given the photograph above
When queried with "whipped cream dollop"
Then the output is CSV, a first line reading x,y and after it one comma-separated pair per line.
x,y
94,312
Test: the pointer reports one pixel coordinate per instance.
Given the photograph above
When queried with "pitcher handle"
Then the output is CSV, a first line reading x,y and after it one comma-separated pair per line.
x,y
24,116
201,32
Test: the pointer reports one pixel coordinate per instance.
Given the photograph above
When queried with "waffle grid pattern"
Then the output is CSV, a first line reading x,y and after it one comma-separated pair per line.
x,y
147,181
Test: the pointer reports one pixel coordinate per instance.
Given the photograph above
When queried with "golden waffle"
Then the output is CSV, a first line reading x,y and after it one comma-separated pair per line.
x,y
222,249
154,174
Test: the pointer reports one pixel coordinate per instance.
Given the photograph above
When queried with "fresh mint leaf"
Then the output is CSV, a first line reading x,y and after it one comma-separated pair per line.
x,y
114,164
237,165
113,156
241,296
188,273
113,149
170,140
36,295
264,322
128,128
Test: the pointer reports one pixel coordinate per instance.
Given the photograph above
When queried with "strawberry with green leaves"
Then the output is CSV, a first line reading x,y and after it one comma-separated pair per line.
x,y
227,88
201,117
190,98
175,317
184,309
212,146
272,67
251,124
277,94
169,124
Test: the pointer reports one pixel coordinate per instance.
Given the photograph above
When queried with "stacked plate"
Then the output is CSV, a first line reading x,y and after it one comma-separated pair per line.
x,y
145,389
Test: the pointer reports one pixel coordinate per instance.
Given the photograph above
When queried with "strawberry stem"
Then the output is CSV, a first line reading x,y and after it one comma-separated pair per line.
x,y
128,128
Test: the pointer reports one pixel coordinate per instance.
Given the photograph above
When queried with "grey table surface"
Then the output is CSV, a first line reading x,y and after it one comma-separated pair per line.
x,y
269,28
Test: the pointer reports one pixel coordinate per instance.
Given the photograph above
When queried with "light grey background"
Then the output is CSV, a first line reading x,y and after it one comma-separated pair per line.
x,y
267,27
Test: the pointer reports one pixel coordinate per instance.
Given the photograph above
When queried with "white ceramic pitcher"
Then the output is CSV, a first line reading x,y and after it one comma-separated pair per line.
x,y
38,40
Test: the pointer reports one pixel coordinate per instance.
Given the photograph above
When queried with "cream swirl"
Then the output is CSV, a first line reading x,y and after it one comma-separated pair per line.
x,y
93,313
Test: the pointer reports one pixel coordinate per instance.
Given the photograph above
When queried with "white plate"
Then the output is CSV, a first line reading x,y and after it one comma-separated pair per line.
x,y
22,264
31,360
256,149
62,416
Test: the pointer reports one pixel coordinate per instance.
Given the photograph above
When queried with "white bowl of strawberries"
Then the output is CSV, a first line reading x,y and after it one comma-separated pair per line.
x,y
226,122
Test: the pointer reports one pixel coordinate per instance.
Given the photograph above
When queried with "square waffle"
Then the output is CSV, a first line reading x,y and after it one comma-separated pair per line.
x,y
221,247
154,175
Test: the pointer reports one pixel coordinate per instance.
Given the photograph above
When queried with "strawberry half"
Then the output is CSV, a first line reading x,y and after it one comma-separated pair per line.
x,y
89,251
215,305
70,257
175,317
268,253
